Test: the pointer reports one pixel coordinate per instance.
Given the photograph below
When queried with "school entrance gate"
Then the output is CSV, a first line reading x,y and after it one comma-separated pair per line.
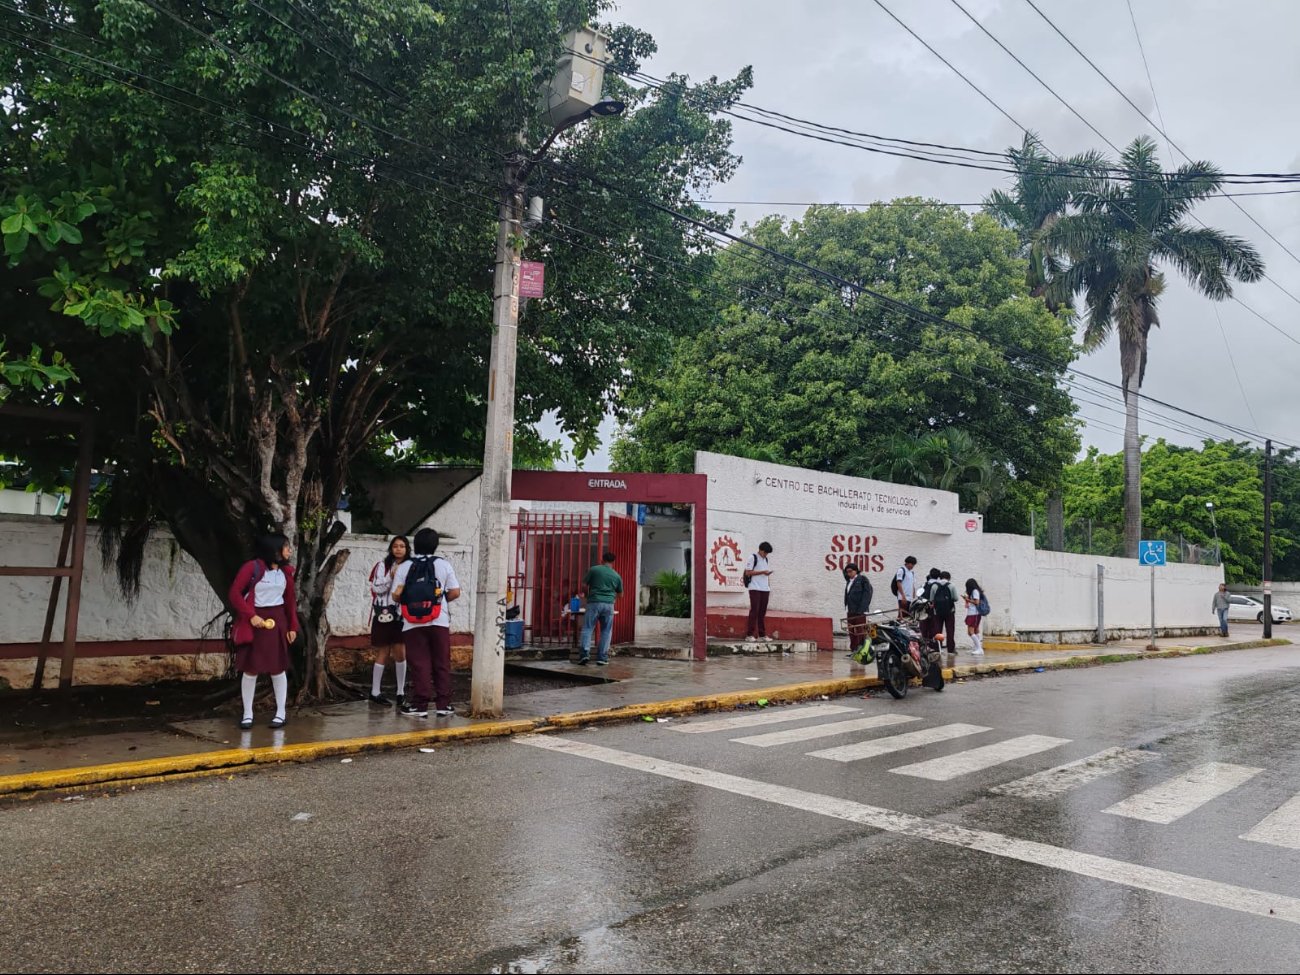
x,y
552,551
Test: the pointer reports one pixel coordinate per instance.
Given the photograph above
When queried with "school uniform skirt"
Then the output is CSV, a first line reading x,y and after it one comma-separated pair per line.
x,y
386,634
269,651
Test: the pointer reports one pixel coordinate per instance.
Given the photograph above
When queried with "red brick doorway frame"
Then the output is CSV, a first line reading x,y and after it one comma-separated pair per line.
x,y
622,488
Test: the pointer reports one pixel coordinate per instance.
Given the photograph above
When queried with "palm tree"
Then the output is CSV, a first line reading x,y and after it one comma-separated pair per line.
x,y
1126,226
1040,196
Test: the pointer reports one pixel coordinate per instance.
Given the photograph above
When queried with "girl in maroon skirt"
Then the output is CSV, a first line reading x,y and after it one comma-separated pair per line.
x,y
263,600
386,620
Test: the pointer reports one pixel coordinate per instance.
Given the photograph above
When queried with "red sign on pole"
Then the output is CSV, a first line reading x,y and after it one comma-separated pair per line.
x,y
532,278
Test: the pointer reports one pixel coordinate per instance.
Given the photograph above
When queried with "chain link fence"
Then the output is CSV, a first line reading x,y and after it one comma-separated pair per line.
x,y
1089,536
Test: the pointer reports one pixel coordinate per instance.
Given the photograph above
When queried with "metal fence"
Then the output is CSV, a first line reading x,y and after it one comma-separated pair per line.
x,y
1089,536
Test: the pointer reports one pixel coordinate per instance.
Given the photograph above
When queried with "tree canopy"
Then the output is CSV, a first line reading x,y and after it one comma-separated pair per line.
x,y
262,235
799,371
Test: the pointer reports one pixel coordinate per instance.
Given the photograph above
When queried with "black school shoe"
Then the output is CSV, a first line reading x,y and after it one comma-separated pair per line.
x,y
380,700
411,711
278,722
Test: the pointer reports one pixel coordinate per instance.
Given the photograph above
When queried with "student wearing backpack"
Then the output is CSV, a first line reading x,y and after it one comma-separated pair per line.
x,y
930,625
386,621
264,603
977,607
945,607
903,585
757,578
422,587
857,604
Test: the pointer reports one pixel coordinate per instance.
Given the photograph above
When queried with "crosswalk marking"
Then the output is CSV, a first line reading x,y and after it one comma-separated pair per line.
x,y
1175,798
1053,782
1263,904
1280,828
948,767
762,718
897,743
825,730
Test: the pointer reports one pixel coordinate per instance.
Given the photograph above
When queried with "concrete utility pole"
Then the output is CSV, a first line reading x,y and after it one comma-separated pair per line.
x,y
1268,540
487,687
571,97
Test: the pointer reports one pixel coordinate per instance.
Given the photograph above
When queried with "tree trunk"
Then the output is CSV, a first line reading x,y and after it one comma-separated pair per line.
x,y
1132,466
318,569
1055,521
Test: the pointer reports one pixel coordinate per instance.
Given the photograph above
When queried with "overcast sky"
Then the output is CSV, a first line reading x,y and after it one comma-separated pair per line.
x,y
1226,74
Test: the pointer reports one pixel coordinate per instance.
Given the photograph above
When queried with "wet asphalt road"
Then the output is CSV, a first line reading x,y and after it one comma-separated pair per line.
x,y
504,856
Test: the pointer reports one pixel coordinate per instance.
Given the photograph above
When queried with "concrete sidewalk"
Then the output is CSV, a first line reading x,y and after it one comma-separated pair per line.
x,y
631,687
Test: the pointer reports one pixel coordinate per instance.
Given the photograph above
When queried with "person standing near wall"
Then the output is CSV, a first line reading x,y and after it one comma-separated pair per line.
x,y
1220,607
857,604
930,625
976,610
422,587
903,585
945,604
757,578
263,600
386,621
603,586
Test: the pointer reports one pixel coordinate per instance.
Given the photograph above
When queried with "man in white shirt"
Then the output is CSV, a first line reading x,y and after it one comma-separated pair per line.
x,y
905,585
759,585
426,624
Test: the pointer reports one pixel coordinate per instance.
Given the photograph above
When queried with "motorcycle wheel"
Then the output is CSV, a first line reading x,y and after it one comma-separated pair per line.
x,y
893,674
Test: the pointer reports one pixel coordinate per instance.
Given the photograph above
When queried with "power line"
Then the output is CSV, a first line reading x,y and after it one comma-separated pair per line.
x,y
909,311
1121,212
1158,128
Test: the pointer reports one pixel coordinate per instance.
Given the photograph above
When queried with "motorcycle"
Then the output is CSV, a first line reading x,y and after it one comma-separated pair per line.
x,y
901,652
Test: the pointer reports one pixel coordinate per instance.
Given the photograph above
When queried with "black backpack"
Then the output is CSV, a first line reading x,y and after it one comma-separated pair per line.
x,y
422,592
943,601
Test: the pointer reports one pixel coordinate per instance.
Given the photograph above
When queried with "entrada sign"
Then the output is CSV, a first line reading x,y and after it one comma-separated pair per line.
x,y
607,482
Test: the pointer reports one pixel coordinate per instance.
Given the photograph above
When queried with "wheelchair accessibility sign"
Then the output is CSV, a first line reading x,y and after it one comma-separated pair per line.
x,y
1151,553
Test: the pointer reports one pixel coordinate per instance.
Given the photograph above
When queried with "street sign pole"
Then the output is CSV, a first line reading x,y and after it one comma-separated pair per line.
x,y
1153,609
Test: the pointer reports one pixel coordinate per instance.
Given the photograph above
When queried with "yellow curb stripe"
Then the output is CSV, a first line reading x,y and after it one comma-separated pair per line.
x,y
235,758
229,761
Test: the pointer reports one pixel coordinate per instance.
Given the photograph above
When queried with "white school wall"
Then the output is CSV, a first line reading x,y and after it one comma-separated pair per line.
x,y
175,599
816,521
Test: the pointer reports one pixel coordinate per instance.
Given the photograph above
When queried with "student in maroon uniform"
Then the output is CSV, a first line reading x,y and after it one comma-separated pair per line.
x,y
263,600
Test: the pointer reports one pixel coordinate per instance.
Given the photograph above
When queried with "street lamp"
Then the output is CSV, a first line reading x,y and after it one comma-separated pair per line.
x,y
572,87
1209,506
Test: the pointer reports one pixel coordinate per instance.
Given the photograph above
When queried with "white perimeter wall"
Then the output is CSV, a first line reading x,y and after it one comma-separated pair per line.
x,y
175,599
1031,592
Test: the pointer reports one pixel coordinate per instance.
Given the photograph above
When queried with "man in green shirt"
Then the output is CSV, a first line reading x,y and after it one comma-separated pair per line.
x,y
603,586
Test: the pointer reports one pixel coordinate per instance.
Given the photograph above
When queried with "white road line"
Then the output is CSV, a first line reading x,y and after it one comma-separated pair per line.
x,y
775,716
1211,892
1280,828
1174,799
825,730
948,767
1053,782
897,743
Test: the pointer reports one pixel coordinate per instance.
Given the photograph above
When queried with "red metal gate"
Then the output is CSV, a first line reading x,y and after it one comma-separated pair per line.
x,y
552,555
622,542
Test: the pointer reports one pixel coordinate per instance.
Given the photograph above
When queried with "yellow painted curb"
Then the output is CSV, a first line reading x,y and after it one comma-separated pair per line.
x,y
236,758
1019,646
715,702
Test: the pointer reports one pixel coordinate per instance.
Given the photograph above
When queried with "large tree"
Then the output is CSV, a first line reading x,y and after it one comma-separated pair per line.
x,y
1125,227
800,371
267,237
1177,482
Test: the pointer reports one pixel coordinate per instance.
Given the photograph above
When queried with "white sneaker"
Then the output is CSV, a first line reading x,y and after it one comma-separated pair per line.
x,y
750,639
767,639
977,653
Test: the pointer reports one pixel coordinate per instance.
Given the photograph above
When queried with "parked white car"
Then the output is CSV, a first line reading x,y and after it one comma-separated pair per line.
x,y
1246,608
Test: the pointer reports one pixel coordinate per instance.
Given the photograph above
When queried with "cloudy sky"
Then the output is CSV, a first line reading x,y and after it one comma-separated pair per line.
x,y
1226,76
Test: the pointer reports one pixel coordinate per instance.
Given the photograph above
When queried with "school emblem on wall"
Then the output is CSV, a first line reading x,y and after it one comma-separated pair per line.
x,y
725,562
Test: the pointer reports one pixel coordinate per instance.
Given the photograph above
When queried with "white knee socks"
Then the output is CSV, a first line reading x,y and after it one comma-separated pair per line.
x,y
280,684
377,679
401,676
977,642
247,687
